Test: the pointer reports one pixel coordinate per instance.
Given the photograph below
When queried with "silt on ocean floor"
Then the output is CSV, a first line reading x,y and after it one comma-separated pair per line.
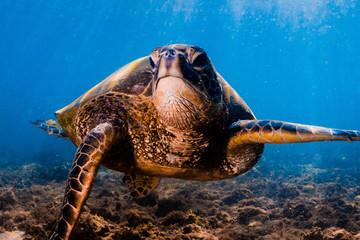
x,y
272,201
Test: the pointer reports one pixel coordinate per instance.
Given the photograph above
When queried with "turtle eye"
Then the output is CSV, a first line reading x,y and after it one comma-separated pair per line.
x,y
152,64
201,60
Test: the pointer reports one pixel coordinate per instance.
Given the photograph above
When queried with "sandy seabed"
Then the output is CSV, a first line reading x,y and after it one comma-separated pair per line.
x,y
269,202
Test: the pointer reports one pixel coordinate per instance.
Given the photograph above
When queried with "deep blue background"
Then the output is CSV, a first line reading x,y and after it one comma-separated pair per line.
x,y
290,60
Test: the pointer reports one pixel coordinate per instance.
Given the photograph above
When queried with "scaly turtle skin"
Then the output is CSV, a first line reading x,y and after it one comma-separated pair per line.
x,y
166,115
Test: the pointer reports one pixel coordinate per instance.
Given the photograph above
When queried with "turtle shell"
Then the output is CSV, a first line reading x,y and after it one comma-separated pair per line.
x,y
236,107
135,79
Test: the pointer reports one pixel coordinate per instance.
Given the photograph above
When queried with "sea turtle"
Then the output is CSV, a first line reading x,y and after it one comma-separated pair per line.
x,y
171,115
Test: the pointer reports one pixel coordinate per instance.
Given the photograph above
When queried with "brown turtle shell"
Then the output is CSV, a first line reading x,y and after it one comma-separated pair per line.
x,y
135,79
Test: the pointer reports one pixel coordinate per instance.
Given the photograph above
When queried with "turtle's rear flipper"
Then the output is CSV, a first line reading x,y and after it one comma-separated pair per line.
x,y
87,161
140,186
270,131
51,127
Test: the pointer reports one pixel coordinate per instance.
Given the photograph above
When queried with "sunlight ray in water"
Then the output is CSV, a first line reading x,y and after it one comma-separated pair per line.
x,y
297,13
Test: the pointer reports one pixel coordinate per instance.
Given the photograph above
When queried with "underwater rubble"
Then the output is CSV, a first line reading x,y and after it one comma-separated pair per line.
x,y
268,202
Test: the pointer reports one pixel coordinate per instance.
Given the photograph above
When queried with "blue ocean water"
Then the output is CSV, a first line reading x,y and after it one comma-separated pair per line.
x,y
293,60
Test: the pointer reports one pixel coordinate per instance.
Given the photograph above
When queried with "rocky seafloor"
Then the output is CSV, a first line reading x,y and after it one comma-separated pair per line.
x,y
272,201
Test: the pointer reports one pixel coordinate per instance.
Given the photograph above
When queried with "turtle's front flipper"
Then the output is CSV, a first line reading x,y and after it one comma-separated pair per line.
x,y
270,131
82,175
51,127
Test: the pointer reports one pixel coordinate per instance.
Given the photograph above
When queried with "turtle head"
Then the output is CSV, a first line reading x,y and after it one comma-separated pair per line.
x,y
186,91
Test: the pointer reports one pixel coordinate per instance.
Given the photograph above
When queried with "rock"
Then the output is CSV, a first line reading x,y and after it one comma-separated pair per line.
x,y
36,230
148,201
308,189
126,234
206,195
251,213
191,228
223,216
237,196
298,210
6,221
167,205
337,234
175,217
255,224
16,235
288,192
91,227
314,233
7,200
134,218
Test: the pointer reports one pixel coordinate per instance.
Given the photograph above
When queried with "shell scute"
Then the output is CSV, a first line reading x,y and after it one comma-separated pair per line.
x,y
133,78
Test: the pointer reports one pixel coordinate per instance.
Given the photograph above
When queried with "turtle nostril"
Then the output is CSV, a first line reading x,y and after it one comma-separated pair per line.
x,y
170,53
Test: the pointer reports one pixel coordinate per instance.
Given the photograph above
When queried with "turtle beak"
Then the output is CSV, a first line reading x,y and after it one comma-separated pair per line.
x,y
170,63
